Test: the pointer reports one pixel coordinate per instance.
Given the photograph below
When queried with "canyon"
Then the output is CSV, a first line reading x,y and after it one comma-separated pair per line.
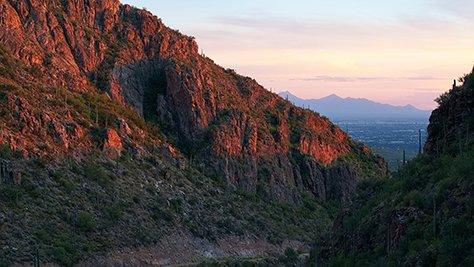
x,y
119,141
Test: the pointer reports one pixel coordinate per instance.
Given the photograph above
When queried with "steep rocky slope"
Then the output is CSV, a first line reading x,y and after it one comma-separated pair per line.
x,y
451,123
227,122
423,216
116,132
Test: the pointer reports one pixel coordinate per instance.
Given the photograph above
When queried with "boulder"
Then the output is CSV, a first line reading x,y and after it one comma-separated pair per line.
x,y
113,145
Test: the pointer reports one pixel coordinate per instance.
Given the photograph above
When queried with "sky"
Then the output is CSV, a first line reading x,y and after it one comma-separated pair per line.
x,y
398,52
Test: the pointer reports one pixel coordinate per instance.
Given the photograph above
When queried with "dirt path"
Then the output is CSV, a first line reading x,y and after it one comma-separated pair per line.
x,y
182,249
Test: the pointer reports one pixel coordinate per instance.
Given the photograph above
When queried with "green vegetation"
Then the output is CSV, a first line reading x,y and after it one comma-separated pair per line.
x,y
112,55
363,162
85,221
63,181
272,122
423,215
114,212
93,111
94,205
11,195
70,209
6,152
290,258
96,172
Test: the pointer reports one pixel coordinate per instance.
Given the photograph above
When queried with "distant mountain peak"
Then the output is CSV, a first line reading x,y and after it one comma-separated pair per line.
x,y
338,108
333,96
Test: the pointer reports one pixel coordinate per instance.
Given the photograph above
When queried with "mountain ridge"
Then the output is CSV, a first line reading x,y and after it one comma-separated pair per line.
x,y
119,132
210,112
357,108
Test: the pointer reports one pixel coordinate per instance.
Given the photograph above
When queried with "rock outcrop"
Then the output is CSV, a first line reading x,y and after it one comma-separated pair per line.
x,y
228,123
112,144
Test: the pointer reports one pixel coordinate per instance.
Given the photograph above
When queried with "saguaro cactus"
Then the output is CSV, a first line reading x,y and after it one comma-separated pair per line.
x,y
419,142
404,157
97,113
467,134
37,258
3,171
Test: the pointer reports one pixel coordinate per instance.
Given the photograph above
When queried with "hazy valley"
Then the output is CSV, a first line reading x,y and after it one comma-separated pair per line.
x,y
387,129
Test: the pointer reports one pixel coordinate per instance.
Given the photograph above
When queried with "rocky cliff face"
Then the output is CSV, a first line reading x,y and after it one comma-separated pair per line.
x,y
225,123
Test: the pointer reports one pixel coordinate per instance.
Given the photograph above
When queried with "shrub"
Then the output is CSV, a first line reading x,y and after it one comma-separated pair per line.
x,y
48,60
11,194
97,173
176,205
60,178
413,199
64,252
114,212
85,221
5,70
4,88
275,238
291,257
30,188
158,212
7,153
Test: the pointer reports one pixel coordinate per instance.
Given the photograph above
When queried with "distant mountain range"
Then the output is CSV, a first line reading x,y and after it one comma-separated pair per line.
x,y
337,108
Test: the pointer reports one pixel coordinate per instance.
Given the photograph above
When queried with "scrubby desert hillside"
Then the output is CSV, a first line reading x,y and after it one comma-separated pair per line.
x,y
423,215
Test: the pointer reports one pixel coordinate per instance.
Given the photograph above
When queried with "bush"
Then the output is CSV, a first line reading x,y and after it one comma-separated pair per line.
x,y
291,257
3,93
159,213
114,212
6,152
85,221
97,173
64,251
48,60
176,205
413,199
11,194
60,178
3,263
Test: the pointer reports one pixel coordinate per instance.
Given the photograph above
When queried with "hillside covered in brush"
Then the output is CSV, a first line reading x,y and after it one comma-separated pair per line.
x,y
117,134
423,216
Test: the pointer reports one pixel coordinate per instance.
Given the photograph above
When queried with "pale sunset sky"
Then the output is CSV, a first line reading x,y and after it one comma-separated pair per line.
x,y
397,52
